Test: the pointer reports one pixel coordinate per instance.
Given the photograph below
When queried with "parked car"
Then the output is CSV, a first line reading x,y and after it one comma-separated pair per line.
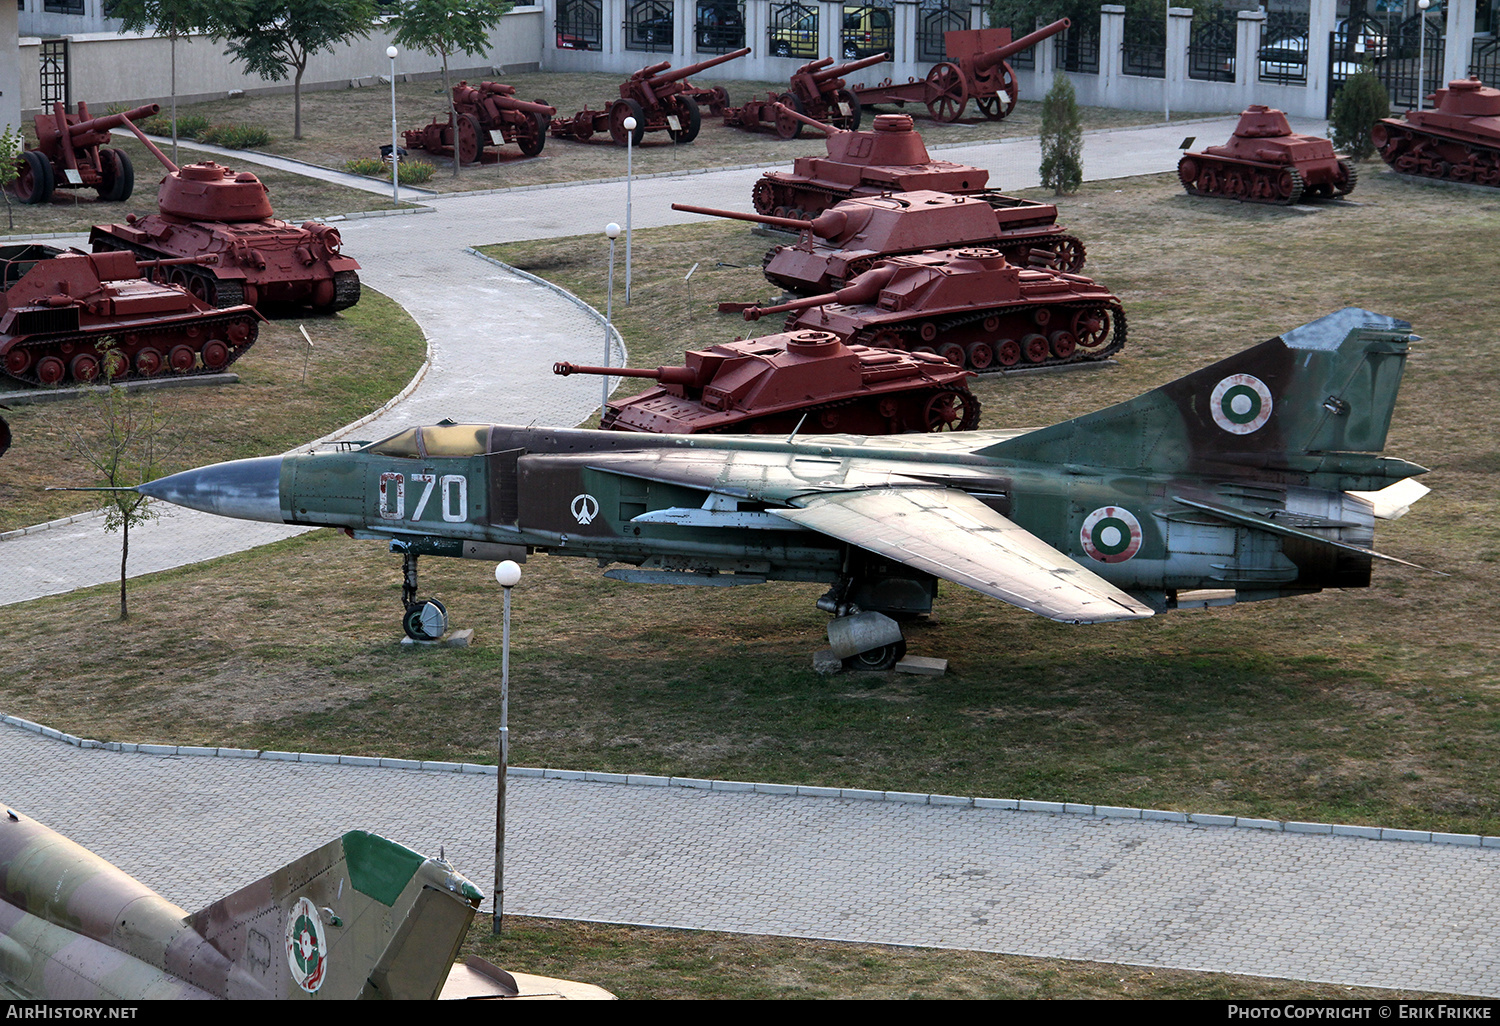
x,y
799,39
653,31
868,30
1369,40
1285,60
720,27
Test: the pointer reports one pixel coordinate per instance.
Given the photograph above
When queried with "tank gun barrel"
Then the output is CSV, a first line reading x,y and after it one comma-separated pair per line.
x,y
990,58
841,70
664,375
864,289
201,258
825,226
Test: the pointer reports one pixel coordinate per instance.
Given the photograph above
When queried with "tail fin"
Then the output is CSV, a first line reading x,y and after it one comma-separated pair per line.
x,y
360,917
1326,387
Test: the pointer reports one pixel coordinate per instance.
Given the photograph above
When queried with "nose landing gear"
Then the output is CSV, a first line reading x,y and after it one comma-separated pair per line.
x,y
425,619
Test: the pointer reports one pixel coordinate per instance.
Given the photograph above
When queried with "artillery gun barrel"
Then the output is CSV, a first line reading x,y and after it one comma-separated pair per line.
x,y
848,69
527,106
813,67
158,154
691,69
987,60
825,129
665,375
109,121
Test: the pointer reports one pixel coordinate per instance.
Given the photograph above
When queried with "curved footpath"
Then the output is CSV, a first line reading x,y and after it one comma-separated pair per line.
x,y
1304,901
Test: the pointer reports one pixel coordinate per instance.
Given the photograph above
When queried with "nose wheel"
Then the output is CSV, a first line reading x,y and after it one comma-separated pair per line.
x,y
425,619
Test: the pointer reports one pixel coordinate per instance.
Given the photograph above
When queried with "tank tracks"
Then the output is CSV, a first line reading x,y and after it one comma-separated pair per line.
x,y
1278,184
920,405
1431,156
223,292
166,341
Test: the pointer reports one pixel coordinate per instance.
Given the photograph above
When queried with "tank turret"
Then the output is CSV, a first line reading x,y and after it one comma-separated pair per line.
x,y
1266,162
1458,140
971,307
806,381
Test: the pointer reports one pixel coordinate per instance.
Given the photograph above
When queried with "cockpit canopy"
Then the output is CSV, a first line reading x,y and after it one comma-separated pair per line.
x,y
438,440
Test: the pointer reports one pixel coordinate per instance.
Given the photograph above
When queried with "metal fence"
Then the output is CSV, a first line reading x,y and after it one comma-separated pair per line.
x,y
1484,60
580,25
53,63
1077,49
720,27
1283,48
1145,47
936,17
793,31
1212,46
650,26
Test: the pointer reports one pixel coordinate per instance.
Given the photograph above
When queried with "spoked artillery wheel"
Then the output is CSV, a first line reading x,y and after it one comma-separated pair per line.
x,y
947,93
997,106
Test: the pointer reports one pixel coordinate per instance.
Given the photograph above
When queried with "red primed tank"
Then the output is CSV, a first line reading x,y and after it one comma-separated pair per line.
x,y
1459,140
890,158
808,381
74,317
206,208
969,306
848,238
1266,162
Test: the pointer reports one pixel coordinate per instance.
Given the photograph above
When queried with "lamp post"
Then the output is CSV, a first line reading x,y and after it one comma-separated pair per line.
x,y
629,178
1166,67
611,232
508,574
1422,6
390,52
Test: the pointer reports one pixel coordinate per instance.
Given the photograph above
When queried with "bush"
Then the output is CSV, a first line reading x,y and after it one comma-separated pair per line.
x,y
1062,138
1362,102
189,126
235,137
413,172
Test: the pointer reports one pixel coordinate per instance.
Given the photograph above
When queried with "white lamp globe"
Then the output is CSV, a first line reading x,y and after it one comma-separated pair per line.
x,y
390,52
508,574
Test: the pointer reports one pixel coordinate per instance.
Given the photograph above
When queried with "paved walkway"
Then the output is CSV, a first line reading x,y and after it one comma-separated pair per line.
x,y
1332,909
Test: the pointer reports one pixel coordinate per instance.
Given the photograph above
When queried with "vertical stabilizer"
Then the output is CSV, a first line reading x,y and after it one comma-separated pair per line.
x,y
1327,387
360,917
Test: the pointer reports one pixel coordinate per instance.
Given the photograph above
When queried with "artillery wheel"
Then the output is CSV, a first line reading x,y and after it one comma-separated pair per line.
x,y
883,658
426,620
618,112
531,134
787,126
690,117
34,181
856,112
996,107
118,175
763,195
947,93
1093,328
470,139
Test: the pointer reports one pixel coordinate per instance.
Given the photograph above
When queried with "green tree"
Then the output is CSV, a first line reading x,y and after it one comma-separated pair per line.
x,y
11,144
274,38
175,19
1362,102
1062,137
446,27
121,436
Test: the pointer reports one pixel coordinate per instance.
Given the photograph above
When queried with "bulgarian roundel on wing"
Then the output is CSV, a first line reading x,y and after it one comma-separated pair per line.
x,y
1111,534
1240,404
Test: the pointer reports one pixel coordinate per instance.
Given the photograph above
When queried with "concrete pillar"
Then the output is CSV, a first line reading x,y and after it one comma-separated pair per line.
x,y
757,38
904,43
1179,31
1046,58
830,29
683,12
10,69
1111,39
613,30
1247,41
1322,16
1459,42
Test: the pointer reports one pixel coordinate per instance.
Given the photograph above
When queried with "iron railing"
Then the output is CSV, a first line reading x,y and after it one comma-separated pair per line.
x,y
720,26
792,31
650,26
1145,47
936,17
580,25
1213,45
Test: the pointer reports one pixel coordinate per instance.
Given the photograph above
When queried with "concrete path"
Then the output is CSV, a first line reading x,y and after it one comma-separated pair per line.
x,y
1332,909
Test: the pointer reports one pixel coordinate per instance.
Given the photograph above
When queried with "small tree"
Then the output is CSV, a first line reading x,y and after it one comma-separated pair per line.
x,y
11,144
121,437
175,19
1359,105
446,27
274,37
1062,138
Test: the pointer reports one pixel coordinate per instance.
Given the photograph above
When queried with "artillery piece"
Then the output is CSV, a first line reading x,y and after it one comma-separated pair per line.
x,y
969,306
1266,162
817,91
73,316
487,114
848,238
659,99
807,381
71,153
976,69
206,208
889,158
1458,140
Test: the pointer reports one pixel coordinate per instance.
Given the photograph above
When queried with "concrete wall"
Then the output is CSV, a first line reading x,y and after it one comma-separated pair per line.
x,y
10,69
108,67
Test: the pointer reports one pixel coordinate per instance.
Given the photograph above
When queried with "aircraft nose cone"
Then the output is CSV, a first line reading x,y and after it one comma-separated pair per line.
x,y
243,489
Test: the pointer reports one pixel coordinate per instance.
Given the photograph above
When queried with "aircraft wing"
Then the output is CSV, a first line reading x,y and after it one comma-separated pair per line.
x,y
953,535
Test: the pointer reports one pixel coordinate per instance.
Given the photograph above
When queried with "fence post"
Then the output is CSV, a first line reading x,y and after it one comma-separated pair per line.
x,y
1249,31
1111,53
1175,65
904,37
1459,41
1321,16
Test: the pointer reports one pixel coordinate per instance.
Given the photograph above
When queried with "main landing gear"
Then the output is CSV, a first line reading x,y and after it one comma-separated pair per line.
x,y
425,619
863,639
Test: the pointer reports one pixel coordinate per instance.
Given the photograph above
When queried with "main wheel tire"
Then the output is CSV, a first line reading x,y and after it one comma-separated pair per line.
x,y
119,176
425,621
787,126
883,658
470,142
691,119
856,112
531,140
34,182
622,109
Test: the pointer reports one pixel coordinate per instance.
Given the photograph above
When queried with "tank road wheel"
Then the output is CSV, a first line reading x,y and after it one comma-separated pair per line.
x,y
888,338
1208,183
470,139
690,117
953,353
182,359
1007,352
1062,343
50,370
215,355
34,182
980,355
149,362
849,122
1036,347
883,658
621,110
84,367
951,411
763,195
947,93
114,364
202,287
996,107
531,134
1093,329
18,361
118,176
787,126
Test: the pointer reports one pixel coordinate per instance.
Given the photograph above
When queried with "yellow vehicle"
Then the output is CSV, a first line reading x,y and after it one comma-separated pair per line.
x,y
866,31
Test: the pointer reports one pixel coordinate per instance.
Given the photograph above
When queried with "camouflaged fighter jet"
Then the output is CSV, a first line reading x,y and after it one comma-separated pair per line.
x,y
1254,478
361,917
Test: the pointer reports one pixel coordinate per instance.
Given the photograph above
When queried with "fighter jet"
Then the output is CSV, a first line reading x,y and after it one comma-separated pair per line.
x,y
360,917
1254,478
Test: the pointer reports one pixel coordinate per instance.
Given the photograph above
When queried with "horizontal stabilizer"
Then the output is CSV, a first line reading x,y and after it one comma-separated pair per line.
x,y
952,535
